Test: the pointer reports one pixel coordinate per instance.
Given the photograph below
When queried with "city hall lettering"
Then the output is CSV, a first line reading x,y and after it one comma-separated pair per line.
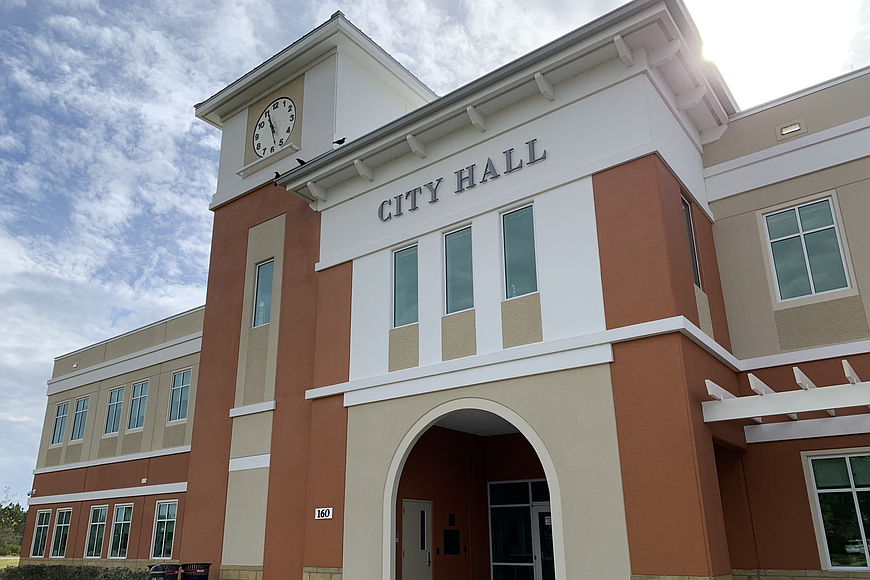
x,y
397,205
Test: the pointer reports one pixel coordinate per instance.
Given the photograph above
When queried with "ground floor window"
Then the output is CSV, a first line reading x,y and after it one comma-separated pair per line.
x,y
61,533
842,490
121,530
96,530
40,534
164,529
521,531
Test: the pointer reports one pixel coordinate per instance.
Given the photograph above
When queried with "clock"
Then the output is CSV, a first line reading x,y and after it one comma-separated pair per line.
x,y
273,128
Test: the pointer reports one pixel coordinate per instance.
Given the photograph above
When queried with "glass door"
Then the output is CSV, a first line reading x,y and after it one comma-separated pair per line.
x,y
545,568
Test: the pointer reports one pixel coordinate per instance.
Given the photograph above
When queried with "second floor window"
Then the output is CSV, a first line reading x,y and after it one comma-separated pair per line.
x,y
405,286
137,405
458,271
263,293
59,423
806,252
690,234
180,394
81,415
519,253
113,416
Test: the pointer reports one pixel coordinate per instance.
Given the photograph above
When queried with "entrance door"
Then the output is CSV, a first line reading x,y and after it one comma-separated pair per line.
x,y
416,539
542,541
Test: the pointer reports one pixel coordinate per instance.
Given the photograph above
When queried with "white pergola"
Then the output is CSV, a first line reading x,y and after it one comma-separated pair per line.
x,y
767,403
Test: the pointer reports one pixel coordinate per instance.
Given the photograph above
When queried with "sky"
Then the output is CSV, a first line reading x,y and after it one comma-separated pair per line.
x,y
106,175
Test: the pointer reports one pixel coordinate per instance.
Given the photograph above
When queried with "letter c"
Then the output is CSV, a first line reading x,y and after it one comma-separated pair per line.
x,y
381,210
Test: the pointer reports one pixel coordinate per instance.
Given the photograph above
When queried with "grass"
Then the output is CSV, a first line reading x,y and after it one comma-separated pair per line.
x,y
4,561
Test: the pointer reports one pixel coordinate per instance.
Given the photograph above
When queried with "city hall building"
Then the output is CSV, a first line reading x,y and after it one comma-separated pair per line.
x,y
579,318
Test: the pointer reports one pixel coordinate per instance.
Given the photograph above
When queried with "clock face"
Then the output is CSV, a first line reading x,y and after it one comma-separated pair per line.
x,y
273,128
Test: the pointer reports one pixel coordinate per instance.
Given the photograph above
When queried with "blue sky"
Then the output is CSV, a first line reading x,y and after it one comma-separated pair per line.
x,y
106,175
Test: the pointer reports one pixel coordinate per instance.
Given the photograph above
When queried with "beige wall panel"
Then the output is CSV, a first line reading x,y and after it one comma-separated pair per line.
x,y
174,435
73,453
521,321
85,358
573,415
294,90
854,201
822,110
822,323
704,311
185,325
458,335
108,447
256,359
792,189
245,527
745,287
265,242
252,435
52,456
145,338
132,443
404,347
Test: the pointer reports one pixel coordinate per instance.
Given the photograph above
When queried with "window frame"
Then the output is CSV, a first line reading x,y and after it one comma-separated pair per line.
x,y
36,527
63,418
836,225
255,310
172,390
138,402
90,525
57,525
154,530
119,404
76,423
686,206
447,311
393,255
115,522
504,265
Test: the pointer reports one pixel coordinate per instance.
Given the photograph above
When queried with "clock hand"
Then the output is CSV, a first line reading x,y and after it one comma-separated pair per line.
x,y
271,126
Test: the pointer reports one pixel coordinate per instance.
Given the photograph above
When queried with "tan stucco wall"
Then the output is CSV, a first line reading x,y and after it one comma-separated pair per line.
x,y
521,321
821,110
760,324
245,521
252,435
458,335
404,347
704,317
570,412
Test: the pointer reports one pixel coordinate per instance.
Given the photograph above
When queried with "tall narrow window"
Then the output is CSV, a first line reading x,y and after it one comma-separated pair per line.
x,y
96,530
460,286
263,293
405,286
59,423
113,415
519,253
690,234
805,246
81,415
40,534
180,393
121,531
61,533
137,405
842,488
164,530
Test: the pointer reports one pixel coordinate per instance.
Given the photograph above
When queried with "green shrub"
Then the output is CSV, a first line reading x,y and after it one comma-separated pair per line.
x,y
70,573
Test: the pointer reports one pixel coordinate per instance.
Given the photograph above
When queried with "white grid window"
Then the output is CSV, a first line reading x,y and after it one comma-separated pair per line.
x,y
59,423
96,531
61,533
40,534
137,405
121,530
164,529
81,415
180,394
805,249
842,490
113,416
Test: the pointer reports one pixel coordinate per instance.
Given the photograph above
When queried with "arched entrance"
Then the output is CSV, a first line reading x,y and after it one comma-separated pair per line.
x,y
472,494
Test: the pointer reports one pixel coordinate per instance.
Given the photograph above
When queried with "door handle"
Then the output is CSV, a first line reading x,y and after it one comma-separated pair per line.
x,y
428,558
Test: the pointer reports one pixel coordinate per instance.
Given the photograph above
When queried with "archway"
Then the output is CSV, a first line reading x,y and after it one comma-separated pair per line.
x,y
480,495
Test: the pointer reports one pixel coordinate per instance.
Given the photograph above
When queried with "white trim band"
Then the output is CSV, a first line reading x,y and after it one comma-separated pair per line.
x,y
251,462
131,457
110,493
155,355
808,428
252,409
